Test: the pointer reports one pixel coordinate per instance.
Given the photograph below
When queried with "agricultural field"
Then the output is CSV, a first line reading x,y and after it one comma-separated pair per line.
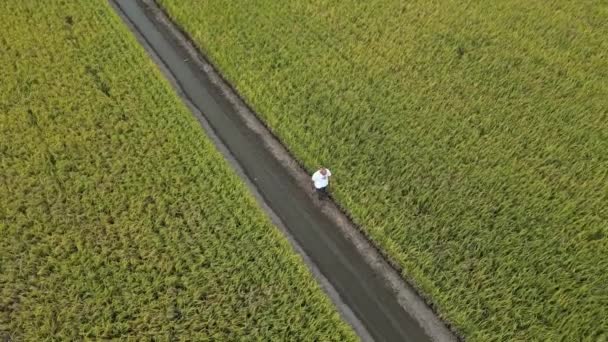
x,y
467,139
118,218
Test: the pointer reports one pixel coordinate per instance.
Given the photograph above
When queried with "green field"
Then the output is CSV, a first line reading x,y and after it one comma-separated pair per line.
x,y
468,139
118,218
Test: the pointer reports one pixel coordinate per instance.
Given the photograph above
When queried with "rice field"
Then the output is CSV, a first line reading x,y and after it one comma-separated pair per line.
x,y
468,139
118,218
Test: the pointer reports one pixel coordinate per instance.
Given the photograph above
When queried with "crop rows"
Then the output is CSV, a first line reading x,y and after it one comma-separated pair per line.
x,y
467,139
118,218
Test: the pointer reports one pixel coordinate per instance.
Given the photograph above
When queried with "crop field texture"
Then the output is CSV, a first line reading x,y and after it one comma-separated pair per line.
x,y
118,218
468,139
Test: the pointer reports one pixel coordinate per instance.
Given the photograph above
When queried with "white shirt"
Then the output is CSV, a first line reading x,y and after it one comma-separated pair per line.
x,y
320,180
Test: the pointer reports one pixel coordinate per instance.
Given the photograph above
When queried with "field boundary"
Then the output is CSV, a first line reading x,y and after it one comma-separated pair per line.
x,y
414,303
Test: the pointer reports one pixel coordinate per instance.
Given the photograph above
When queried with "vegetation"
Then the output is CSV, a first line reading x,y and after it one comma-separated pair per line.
x,y
118,218
469,141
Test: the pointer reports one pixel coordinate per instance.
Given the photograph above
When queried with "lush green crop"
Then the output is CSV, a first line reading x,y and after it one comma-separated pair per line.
x,y
118,218
468,139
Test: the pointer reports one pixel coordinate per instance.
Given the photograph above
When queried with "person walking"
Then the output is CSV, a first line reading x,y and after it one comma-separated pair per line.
x,y
320,180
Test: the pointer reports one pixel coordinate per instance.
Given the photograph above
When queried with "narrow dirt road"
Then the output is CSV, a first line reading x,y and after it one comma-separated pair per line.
x,y
363,296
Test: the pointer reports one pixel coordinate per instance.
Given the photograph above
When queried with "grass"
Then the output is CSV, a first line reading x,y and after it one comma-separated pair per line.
x,y
118,218
467,139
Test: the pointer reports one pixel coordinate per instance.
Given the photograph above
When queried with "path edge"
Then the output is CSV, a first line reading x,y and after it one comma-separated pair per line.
x,y
410,299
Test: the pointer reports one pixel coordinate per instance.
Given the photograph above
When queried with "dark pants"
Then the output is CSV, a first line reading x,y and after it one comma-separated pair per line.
x,y
322,193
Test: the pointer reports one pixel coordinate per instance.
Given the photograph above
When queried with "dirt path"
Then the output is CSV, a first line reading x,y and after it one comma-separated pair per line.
x,y
369,294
